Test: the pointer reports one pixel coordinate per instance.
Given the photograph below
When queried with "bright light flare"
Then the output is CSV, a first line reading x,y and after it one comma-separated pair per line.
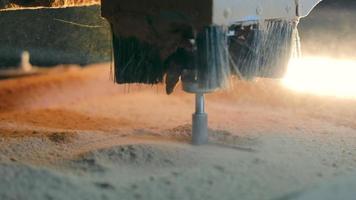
x,y
322,76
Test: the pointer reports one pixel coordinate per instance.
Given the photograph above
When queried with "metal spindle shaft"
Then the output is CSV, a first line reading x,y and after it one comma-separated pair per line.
x,y
199,103
200,121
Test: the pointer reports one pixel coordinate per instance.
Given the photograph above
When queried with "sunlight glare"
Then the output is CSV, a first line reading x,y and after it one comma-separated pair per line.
x,y
322,76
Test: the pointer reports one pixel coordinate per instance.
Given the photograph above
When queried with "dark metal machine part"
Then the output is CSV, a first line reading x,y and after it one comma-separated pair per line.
x,y
153,38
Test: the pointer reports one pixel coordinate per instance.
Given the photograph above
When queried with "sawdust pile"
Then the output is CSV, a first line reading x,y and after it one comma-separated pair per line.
x,y
73,134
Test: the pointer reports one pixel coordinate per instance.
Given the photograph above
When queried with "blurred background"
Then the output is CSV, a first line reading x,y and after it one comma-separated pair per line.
x,y
330,30
76,35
